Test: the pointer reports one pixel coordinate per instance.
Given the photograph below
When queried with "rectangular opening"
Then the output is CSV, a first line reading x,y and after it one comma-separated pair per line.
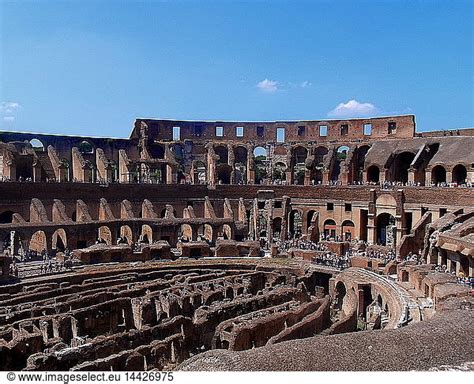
x,y
423,210
442,212
198,130
330,206
323,130
176,133
347,207
392,127
219,131
408,222
278,204
261,205
344,129
239,131
260,131
301,130
280,135
367,129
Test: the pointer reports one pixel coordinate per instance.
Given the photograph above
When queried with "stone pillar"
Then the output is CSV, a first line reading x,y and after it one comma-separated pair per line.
x,y
428,177
449,176
250,166
37,173
411,175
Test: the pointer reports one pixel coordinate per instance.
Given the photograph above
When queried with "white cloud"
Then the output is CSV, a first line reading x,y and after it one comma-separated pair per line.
x,y
268,86
305,84
8,118
353,109
9,106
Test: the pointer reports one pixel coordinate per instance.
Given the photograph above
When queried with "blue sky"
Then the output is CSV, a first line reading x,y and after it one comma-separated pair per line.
x,y
92,67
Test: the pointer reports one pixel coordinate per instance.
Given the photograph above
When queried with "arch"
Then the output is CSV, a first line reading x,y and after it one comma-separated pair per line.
x,y
373,174
340,155
105,235
299,155
6,217
438,174
340,295
177,149
260,164
386,229
459,174
38,242
227,231
240,154
401,166
126,233
186,232
276,227
348,230
309,217
319,154
359,161
146,234
85,147
199,170
37,145
279,171
329,228
296,223
223,153
224,172
59,240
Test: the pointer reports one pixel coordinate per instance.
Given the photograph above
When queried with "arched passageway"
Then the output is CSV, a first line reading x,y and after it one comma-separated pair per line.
x,y
386,229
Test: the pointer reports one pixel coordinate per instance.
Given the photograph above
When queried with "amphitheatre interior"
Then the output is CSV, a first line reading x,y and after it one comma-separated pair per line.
x,y
199,245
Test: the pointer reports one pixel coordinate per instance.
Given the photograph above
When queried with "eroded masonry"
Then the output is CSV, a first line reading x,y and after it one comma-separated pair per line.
x,y
191,240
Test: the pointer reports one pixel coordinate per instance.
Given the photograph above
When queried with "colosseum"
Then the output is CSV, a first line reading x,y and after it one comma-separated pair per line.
x,y
198,245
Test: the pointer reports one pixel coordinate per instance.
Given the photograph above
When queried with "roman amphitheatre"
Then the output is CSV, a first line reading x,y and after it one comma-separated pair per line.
x,y
198,245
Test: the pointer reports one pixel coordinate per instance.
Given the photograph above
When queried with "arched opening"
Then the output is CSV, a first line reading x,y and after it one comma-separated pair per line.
x,y
223,154
386,229
240,154
177,149
85,147
329,228
260,164
340,294
348,230
147,234
298,160
438,175
224,172
186,232
105,235
37,145
296,223
401,165
309,217
276,227
126,234
38,242
341,155
358,170
373,174
279,172
59,240
460,174
199,172
6,217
